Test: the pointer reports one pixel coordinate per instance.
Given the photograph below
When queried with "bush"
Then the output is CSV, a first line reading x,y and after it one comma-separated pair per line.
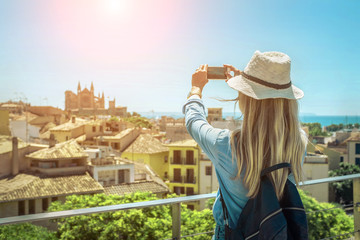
x,y
25,231
324,224
146,223
344,189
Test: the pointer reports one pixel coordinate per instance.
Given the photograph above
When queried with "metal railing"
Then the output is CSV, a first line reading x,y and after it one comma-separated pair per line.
x,y
176,160
176,208
177,179
189,179
190,161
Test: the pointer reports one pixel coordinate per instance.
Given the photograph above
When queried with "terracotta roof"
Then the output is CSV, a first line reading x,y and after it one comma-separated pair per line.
x,y
144,186
69,125
183,143
355,137
45,110
27,186
146,143
6,144
69,149
30,116
117,136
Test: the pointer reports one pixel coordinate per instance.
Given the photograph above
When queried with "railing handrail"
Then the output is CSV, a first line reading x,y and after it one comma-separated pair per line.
x,y
127,206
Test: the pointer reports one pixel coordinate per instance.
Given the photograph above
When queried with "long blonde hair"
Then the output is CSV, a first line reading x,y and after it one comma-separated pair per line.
x,y
270,134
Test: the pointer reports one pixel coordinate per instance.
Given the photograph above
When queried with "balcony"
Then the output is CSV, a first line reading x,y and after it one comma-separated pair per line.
x,y
176,209
183,161
177,179
190,161
177,160
189,179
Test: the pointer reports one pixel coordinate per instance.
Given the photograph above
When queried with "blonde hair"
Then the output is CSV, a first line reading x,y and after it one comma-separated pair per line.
x,y
270,134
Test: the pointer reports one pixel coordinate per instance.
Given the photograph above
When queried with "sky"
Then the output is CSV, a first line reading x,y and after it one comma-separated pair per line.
x,y
143,53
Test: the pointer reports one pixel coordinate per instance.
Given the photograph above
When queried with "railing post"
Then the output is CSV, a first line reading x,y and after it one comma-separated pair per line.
x,y
356,191
176,221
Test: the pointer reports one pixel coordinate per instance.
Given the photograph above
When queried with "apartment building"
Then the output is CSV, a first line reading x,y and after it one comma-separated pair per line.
x,y
69,130
184,167
315,167
149,150
214,114
353,150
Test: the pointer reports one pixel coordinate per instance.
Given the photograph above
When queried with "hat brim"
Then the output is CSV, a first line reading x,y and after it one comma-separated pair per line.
x,y
258,91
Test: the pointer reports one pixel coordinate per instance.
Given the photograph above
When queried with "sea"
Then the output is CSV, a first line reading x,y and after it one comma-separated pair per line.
x,y
305,118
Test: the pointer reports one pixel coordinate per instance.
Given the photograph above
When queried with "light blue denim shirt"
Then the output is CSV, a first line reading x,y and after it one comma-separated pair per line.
x,y
216,144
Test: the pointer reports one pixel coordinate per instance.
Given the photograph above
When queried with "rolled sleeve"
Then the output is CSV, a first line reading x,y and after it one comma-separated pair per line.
x,y
208,137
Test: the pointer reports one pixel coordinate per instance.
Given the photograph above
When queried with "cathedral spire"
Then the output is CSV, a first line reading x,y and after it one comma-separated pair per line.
x,y
79,87
92,87
102,95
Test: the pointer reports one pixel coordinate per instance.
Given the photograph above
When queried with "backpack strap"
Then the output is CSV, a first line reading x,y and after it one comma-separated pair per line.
x,y
225,212
226,216
275,167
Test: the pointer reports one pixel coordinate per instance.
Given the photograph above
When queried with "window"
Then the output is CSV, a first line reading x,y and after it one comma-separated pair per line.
x,y
191,207
190,157
357,148
45,204
177,157
208,170
341,158
32,206
165,175
53,199
21,208
357,161
190,178
67,138
177,175
101,129
189,191
166,159
179,190
94,128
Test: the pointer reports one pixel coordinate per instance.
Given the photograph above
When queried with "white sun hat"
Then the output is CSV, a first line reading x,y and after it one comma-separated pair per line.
x,y
267,75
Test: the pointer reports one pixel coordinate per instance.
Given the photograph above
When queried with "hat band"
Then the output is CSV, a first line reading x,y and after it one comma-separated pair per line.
x,y
267,84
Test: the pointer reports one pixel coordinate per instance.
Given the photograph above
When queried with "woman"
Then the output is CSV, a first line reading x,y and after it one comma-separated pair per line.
x,y
270,132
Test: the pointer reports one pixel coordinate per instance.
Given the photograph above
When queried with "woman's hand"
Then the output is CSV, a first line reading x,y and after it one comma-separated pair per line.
x,y
229,69
199,78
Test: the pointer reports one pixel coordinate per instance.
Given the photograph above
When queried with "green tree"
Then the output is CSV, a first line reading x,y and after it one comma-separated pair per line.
x,y
139,121
25,231
113,119
315,129
146,223
344,189
328,223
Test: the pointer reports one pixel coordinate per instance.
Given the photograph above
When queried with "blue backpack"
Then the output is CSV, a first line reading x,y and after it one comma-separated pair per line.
x,y
264,217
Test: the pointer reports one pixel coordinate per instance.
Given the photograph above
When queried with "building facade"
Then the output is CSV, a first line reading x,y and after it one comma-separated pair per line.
x,y
83,99
184,167
316,167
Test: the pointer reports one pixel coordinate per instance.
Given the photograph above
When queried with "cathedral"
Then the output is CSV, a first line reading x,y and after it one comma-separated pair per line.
x,y
84,99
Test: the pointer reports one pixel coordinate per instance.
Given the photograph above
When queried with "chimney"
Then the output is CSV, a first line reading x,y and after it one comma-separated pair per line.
x,y
52,141
73,119
15,156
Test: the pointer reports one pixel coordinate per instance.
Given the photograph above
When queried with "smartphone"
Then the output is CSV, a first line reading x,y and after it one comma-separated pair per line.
x,y
214,73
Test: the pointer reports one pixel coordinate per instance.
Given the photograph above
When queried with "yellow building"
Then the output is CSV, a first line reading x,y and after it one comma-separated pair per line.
x,y
184,168
69,130
120,141
149,150
4,123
